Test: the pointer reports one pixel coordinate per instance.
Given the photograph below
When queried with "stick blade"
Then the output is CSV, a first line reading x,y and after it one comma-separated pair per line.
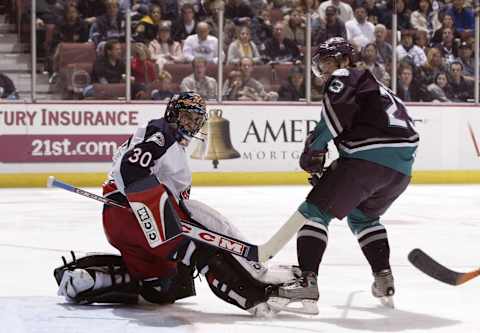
x,y
50,181
429,266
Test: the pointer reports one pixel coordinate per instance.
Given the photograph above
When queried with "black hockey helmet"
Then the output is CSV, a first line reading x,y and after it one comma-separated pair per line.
x,y
335,47
188,113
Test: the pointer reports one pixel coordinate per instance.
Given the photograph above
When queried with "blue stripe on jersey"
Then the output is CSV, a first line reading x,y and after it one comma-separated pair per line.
x,y
323,135
398,158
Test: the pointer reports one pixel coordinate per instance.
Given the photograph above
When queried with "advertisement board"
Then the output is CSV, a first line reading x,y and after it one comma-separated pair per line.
x,y
79,138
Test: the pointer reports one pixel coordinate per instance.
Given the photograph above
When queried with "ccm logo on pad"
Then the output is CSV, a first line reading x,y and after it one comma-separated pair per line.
x,y
212,238
148,225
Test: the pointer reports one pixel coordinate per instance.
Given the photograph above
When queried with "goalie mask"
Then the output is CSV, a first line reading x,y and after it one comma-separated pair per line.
x,y
335,48
187,113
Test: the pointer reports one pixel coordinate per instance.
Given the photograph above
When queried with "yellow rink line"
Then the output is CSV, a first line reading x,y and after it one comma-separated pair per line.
x,y
230,178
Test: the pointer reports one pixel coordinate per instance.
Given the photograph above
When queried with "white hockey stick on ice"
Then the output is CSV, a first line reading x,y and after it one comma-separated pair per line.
x,y
249,251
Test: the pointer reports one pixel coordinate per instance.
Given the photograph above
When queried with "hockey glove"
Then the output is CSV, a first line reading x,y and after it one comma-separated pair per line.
x,y
312,161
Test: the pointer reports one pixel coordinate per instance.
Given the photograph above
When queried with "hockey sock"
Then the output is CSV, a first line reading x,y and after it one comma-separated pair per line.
x,y
372,238
312,238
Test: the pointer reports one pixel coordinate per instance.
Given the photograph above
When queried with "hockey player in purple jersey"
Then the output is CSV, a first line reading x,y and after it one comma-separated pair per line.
x,y
376,141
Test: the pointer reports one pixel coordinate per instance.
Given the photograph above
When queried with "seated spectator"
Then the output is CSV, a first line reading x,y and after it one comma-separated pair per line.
x,y
139,91
163,49
331,27
407,89
91,9
463,17
384,49
407,51
198,81
374,12
461,89
435,64
143,68
243,47
7,88
147,29
295,28
244,87
108,26
261,28
421,40
238,11
201,45
313,7
186,25
403,15
439,89
170,9
229,28
294,88
279,48
344,10
447,22
48,12
369,61
109,67
360,32
465,57
72,29
164,89
425,18
448,47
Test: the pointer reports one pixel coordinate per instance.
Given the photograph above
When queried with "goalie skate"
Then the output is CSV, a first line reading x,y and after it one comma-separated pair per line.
x,y
297,296
383,287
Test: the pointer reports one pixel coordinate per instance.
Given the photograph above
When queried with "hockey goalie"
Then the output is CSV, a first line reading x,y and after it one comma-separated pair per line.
x,y
150,174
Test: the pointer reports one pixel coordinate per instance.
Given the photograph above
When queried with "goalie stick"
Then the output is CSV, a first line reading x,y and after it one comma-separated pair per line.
x,y
429,266
260,253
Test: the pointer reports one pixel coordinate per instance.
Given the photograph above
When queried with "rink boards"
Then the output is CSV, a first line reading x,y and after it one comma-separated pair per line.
x,y
75,142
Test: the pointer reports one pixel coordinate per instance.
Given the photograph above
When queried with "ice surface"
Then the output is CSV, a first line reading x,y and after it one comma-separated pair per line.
x,y
37,226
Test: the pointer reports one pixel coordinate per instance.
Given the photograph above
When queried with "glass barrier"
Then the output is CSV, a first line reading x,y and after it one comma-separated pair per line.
x,y
89,50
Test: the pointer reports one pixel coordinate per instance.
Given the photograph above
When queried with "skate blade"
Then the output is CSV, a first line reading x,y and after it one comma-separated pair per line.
x,y
387,301
301,306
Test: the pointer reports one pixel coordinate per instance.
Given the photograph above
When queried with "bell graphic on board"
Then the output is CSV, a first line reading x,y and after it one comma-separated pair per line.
x,y
218,144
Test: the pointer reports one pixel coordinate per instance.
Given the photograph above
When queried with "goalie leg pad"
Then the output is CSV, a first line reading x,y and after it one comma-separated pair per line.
x,y
168,290
230,282
96,279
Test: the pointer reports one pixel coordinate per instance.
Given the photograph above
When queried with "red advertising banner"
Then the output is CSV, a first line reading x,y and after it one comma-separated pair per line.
x,y
17,148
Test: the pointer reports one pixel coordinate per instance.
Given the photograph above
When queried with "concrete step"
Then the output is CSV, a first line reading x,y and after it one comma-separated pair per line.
x,y
14,62
23,84
14,47
8,38
24,78
41,96
6,28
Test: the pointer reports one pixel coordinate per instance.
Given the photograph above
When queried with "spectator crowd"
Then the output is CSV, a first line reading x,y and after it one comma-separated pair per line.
x,y
175,45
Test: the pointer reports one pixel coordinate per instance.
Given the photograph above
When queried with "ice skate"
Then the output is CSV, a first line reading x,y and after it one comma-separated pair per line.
x,y
383,287
297,296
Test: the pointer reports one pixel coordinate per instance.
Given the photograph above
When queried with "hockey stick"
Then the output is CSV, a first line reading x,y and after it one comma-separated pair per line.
x,y
260,253
429,266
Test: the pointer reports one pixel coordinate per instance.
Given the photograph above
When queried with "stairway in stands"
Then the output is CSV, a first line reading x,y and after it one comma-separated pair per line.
x,y
15,63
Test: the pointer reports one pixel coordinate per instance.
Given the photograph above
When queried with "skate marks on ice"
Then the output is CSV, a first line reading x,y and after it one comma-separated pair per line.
x,y
50,314
380,318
